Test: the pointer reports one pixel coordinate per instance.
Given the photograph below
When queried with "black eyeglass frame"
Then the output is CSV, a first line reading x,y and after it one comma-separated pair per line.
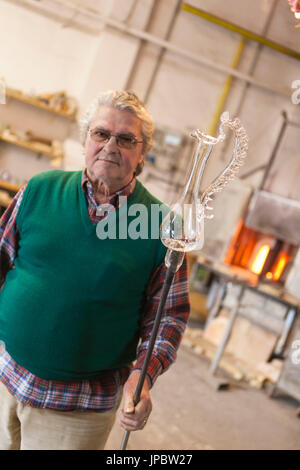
x,y
131,144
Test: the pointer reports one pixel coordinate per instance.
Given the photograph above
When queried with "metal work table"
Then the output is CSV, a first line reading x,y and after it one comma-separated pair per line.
x,y
247,281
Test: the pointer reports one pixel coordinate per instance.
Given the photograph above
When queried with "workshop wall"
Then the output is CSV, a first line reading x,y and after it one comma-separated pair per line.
x,y
41,54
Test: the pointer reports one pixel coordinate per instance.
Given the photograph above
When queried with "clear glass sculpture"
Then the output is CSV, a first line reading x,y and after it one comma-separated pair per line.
x,y
183,227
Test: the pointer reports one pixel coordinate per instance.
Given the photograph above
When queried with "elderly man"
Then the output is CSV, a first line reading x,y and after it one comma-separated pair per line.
x,y
76,311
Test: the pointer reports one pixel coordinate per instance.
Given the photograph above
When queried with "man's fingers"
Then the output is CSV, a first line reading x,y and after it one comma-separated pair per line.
x,y
143,408
131,427
140,412
132,424
136,420
129,407
133,417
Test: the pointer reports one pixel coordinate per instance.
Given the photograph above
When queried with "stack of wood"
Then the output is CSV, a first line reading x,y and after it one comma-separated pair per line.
x,y
246,354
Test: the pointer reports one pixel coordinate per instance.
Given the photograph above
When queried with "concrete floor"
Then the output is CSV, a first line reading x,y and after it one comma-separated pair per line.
x,y
189,414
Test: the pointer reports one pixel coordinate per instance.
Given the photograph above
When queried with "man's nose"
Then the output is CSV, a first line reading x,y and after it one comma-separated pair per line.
x,y
111,144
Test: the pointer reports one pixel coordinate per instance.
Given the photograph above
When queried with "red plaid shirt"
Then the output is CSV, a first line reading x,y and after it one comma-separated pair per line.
x,y
102,393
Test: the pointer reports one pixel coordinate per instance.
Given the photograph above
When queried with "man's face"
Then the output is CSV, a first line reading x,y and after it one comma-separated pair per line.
x,y
107,161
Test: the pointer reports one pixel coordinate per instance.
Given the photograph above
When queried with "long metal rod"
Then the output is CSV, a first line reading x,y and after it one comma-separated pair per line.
x,y
251,70
226,88
171,270
178,50
243,32
274,151
166,44
162,52
147,27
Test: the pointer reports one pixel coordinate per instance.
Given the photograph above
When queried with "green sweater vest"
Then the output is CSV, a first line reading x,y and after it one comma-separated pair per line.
x,y
70,308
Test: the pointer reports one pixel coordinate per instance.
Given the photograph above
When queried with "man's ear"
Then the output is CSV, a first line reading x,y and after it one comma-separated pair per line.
x,y
139,167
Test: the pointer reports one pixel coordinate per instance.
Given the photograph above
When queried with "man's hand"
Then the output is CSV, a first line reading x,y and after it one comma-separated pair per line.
x,y
134,418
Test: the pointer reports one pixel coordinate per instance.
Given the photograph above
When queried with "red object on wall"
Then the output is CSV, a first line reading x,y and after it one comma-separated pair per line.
x,y
295,7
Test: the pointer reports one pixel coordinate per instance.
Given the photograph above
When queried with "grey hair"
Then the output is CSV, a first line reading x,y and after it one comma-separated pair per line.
x,y
122,100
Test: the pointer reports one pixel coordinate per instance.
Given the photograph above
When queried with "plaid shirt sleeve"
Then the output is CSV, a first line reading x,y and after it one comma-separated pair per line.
x,y
9,235
172,325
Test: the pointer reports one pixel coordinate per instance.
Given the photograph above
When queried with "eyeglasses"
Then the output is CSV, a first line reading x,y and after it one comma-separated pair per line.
x,y
126,141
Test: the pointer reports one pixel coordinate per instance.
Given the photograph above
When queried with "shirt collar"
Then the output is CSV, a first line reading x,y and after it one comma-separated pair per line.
x,y
113,198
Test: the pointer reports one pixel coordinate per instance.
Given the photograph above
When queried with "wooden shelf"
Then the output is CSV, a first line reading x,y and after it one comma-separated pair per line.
x,y
34,146
6,196
19,95
9,186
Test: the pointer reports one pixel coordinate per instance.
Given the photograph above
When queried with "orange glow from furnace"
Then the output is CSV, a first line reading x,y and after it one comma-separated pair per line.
x,y
260,258
283,260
